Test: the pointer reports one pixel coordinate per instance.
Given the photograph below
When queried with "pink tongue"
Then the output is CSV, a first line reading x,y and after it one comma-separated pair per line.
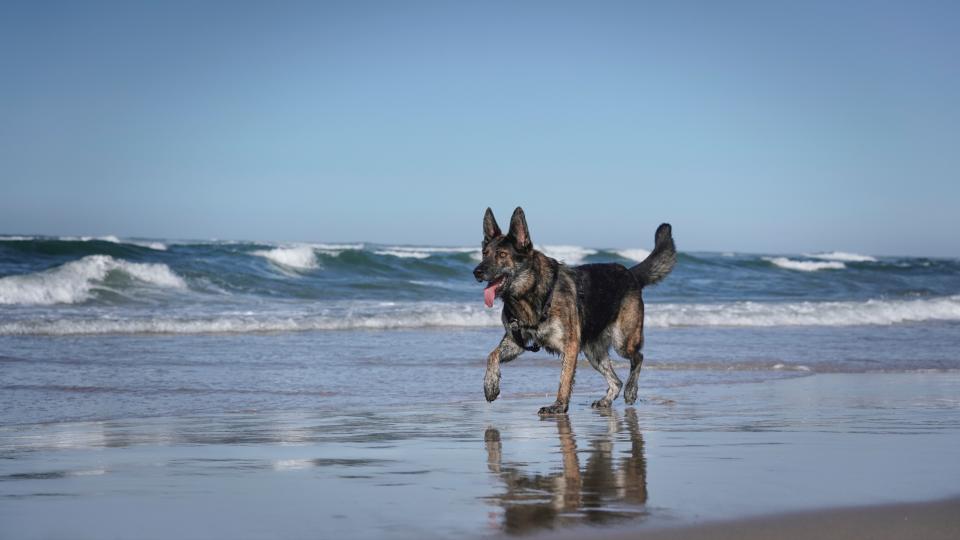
x,y
490,293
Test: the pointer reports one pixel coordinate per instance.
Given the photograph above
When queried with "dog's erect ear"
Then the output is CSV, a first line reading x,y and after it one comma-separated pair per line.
x,y
490,228
519,231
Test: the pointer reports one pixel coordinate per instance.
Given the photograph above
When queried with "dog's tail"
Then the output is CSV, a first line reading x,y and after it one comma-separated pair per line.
x,y
660,261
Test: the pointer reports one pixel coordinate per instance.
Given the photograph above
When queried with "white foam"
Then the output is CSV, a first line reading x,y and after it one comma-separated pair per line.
x,y
74,281
805,266
374,316
635,254
841,256
422,252
403,254
297,257
572,255
407,315
338,247
334,250
752,314
108,238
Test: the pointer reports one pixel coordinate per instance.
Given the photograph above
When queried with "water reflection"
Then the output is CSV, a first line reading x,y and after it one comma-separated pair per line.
x,y
609,486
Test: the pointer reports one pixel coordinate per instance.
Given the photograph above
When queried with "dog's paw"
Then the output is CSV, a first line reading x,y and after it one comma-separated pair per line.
x,y
602,403
556,408
630,394
491,387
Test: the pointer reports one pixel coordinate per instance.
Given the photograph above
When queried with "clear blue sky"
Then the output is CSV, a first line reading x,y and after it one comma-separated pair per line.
x,y
766,126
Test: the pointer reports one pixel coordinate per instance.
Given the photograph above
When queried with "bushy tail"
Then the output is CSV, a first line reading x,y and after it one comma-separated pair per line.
x,y
660,261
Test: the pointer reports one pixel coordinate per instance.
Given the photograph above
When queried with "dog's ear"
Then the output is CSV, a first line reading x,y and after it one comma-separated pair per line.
x,y
490,228
519,231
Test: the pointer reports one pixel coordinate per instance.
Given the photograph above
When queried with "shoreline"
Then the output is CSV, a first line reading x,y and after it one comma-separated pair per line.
x,y
931,520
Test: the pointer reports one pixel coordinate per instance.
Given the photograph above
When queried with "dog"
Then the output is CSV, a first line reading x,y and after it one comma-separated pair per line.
x,y
566,310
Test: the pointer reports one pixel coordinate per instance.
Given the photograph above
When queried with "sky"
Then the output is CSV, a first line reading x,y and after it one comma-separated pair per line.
x,y
774,127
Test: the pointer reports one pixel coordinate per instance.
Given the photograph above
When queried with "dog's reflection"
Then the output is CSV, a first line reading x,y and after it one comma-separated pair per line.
x,y
610,486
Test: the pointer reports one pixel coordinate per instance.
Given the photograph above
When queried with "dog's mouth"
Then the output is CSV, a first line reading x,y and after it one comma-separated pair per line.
x,y
490,292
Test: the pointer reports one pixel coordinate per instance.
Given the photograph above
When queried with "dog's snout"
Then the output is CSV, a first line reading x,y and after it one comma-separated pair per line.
x,y
478,272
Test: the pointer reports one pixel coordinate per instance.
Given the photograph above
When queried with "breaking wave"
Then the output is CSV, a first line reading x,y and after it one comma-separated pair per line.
x,y
763,314
75,281
382,316
635,254
841,256
423,252
571,255
297,257
805,266
355,316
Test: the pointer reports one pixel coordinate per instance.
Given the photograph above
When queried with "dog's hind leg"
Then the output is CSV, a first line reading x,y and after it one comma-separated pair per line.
x,y
601,362
630,394
630,350
506,351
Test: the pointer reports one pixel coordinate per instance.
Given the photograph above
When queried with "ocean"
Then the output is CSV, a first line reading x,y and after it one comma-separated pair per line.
x,y
142,327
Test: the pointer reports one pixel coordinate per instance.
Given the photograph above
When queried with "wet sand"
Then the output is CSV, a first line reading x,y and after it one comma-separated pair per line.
x,y
939,520
688,456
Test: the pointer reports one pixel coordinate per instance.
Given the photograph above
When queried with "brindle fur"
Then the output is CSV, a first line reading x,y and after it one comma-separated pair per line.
x,y
593,307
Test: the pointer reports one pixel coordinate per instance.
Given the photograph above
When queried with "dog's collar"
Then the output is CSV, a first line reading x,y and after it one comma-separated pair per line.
x,y
544,314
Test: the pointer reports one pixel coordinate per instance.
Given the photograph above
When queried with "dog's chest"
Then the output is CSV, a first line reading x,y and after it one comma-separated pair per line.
x,y
548,334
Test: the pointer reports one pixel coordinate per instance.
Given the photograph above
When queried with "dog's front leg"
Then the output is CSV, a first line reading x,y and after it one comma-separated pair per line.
x,y
568,367
506,351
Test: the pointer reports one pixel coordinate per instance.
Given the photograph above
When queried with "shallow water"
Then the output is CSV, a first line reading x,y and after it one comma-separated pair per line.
x,y
688,453
105,377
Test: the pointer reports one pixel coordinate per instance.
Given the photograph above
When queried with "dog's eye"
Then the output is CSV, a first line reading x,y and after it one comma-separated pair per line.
x,y
501,254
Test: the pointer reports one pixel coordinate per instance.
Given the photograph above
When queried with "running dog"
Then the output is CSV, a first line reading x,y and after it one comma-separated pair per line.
x,y
566,309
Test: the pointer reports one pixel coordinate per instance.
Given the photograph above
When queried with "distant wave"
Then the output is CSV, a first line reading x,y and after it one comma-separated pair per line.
x,y
841,256
423,252
74,281
805,266
378,315
403,254
572,255
336,249
297,257
159,246
635,254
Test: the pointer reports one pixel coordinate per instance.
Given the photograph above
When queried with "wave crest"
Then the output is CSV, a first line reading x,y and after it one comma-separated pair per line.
x,y
805,266
75,281
635,254
841,256
297,257
572,255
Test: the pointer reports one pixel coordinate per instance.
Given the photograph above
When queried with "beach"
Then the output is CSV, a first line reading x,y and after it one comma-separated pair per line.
x,y
157,389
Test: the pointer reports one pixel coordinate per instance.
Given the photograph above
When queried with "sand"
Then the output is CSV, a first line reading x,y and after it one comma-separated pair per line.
x,y
931,521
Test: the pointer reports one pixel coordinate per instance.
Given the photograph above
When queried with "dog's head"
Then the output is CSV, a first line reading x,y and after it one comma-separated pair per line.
x,y
504,256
